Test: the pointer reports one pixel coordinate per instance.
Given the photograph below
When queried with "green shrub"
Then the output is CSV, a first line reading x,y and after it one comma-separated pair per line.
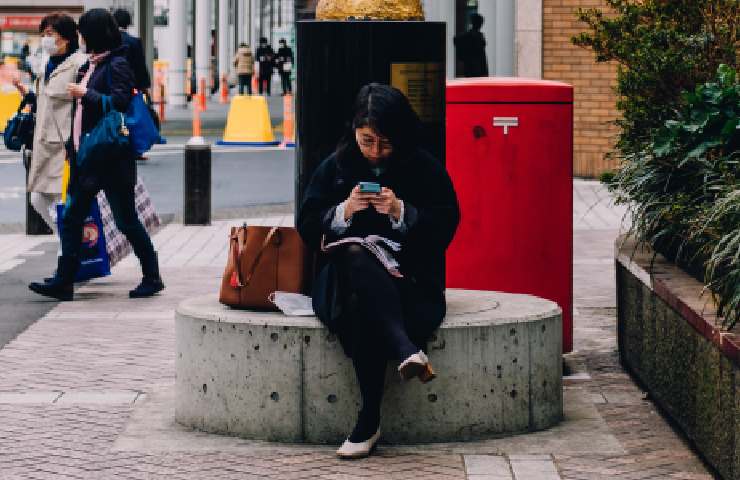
x,y
661,47
679,141
683,189
607,177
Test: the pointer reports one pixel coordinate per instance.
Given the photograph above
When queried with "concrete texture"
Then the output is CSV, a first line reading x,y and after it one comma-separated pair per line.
x,y
266,376
685,373
152,429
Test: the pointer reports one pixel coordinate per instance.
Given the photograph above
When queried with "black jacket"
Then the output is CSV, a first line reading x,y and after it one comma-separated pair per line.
x,y
471,52
431,214
112,77
137,61
284,54
265,56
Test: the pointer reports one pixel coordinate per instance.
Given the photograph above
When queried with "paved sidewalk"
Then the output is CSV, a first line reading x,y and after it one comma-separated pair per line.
x,y
86,392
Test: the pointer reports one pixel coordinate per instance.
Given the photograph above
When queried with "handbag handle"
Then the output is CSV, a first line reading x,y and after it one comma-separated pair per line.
x,y
273,231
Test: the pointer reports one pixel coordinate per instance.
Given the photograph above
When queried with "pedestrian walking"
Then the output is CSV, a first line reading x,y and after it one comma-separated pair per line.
x,y
53,106
134,52
383,307
471,50
265,58
244,66
106,74
285,62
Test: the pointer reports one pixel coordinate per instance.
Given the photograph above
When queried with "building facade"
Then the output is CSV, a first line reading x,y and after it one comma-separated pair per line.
x,y
197,38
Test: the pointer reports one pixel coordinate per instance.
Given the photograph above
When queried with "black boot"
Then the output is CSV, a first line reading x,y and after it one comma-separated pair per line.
x,y
152,283
61,285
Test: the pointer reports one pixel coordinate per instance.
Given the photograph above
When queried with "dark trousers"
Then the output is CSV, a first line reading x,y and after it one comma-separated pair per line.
x,y
265,82
245,79
121,199
287,86
378,329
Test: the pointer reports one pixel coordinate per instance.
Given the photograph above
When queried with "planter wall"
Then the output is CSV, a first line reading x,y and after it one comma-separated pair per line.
x,y
669,339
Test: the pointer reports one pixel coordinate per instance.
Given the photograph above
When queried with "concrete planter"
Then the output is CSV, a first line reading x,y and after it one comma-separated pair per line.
x,y
670,340
264,376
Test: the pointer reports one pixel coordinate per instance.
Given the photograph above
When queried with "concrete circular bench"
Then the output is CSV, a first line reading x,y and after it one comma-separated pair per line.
x,y
265,376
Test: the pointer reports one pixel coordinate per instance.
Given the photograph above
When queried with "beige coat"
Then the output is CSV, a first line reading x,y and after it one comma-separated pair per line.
x,y
53,126
244,61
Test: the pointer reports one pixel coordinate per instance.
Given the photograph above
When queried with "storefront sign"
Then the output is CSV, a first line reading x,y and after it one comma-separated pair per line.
x,y
20,22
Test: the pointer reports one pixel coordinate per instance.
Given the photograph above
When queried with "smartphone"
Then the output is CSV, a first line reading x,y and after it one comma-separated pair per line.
x,y
369,187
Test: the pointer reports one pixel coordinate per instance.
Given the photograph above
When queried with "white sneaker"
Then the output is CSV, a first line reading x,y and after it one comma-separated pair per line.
x,y
358,450
417,365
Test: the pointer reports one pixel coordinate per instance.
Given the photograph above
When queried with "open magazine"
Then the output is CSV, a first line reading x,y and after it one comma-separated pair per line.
x,y
383,249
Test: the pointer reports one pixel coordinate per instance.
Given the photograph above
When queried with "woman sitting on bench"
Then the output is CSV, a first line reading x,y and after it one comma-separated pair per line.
x,y
383,211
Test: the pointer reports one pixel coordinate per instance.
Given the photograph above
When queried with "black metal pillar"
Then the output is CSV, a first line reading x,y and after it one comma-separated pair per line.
x,y
196,208
336,58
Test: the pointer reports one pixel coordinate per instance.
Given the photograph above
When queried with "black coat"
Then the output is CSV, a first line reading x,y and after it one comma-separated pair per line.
x,y
431,215
471,52
112,77
284,54
265,56
137,61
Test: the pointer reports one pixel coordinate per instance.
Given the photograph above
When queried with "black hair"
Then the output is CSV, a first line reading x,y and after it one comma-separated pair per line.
x,y
283,41
99,30
122,17
263,39
64,25
476,20
386,110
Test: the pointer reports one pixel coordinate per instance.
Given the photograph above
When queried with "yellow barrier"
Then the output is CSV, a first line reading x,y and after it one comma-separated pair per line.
x,y
248,123
9,102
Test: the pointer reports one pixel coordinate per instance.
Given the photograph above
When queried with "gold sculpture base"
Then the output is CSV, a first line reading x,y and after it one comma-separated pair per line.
x,y
370,10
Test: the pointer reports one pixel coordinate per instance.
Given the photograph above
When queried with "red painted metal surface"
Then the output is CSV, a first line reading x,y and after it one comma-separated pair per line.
x,y
511,161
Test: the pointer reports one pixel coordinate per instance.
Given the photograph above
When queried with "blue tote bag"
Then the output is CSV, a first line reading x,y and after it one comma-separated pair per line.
x,y
143,132
94,259
109,136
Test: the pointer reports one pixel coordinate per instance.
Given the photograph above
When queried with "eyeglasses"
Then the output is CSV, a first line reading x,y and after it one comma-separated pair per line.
x,y
366,141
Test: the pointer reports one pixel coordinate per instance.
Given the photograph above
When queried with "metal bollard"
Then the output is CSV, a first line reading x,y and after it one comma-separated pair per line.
x,y
197,183
35,225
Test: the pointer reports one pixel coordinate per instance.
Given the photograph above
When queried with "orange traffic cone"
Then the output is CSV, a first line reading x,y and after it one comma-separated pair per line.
x,y
203,94
224,89
161,102
196,119
288,122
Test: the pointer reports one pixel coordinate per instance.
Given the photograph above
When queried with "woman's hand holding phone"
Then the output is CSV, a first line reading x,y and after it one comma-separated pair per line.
x,y
357,201
386,203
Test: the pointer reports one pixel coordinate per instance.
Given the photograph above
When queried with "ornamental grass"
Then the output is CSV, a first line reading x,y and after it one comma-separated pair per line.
x,y
679,140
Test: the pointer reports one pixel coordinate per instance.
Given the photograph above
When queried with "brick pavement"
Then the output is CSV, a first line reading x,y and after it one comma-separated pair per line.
x,y
86,392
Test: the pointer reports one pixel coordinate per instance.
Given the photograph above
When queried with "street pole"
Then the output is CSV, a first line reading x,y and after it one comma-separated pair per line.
x,y
223,44
505,19
196,208
177,29
203,12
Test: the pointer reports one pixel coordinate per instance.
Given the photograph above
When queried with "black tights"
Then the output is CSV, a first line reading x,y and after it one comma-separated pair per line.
x,y
378,331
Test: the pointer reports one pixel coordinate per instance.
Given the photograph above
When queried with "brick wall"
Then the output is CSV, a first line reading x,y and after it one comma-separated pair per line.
x,y
594,95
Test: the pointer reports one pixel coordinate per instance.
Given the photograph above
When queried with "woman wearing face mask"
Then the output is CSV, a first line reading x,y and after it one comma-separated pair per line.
x,y
106,74
53,105
378,315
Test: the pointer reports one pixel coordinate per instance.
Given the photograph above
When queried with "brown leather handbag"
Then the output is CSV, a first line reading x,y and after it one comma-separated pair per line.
x,y
262,260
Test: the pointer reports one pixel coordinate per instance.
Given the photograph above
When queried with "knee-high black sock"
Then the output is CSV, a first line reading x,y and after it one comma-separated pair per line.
x,y
370,370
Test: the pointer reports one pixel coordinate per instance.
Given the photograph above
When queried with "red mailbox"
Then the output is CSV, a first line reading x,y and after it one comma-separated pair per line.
x,y
510,156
